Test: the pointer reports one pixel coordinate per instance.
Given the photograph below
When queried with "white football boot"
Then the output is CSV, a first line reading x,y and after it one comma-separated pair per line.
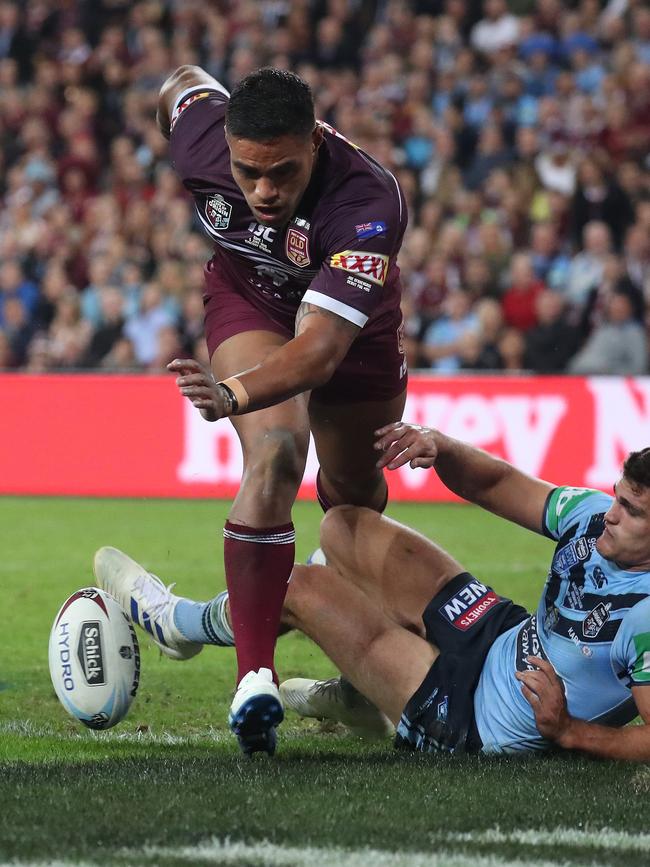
x,y
336,700
255,711
146,600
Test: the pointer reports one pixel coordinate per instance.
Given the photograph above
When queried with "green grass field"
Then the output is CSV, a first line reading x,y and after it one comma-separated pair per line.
x,y
168,785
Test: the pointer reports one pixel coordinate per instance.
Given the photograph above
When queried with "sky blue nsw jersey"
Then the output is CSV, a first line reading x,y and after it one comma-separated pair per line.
x,y
592,623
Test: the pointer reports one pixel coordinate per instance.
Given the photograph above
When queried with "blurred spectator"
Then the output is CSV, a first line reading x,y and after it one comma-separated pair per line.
x,y
553,340
520,298
144,327
478,349
586,268
14,285
107,334
618,346
69,333
598,198
496,30
512,349
442,340
549,263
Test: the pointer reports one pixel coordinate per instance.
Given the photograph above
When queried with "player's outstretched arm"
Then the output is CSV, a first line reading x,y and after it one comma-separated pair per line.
x,y
181,79
306,362
469,472
542,688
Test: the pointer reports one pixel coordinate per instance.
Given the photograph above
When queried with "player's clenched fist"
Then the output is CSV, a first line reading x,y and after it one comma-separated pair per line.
x,y
406,444
197,384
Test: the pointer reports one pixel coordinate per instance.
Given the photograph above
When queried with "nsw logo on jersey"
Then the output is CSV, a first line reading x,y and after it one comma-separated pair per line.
x,y
468,605
297,248
596,619
218,211
373,266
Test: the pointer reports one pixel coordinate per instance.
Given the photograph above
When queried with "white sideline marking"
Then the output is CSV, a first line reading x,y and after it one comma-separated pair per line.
x,y
224,852
604,838
28,729
271,855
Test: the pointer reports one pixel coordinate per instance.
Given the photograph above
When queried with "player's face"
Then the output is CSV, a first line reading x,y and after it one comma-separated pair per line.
x,y
273,175
626,537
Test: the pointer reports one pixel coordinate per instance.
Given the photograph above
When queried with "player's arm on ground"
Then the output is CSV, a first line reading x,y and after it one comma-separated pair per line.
x,y
321,342
469,472
542,688
180,80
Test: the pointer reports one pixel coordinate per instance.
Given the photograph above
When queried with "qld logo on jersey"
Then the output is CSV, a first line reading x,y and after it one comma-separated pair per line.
x,y
468,605
297,248
373,266
218,212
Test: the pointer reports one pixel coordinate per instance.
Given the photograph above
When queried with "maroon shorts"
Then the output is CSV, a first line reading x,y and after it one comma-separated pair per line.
x,y
374,368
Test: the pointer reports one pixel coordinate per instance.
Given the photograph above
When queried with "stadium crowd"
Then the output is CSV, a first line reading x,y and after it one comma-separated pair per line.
x,y
519,134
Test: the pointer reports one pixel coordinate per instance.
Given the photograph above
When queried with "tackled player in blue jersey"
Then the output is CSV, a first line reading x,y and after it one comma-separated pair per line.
x,y
303,326
457,667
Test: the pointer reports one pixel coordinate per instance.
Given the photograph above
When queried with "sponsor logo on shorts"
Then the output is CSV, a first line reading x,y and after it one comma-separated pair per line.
x,y
297,248
218,211
90,652
596,619
373,266
467,606
369,230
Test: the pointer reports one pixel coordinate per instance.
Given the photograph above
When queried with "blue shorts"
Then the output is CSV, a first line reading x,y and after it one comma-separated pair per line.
x,y
463,620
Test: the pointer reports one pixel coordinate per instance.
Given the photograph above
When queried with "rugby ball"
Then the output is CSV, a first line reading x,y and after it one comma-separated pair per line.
x,y
94,658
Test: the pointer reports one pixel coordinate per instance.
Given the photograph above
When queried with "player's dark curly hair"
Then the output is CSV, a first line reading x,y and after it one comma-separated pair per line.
x,y
270,103
636,468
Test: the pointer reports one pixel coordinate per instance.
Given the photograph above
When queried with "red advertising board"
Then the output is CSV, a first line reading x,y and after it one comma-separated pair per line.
x,y
136,436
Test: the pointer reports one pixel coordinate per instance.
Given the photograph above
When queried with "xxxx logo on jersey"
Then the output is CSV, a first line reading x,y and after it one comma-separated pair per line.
x,y
373,266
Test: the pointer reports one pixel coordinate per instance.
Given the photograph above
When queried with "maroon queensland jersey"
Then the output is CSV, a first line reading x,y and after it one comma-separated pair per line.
x,y
338,251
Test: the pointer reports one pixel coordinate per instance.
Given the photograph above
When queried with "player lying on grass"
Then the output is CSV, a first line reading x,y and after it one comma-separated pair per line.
x,y
453,665
302,322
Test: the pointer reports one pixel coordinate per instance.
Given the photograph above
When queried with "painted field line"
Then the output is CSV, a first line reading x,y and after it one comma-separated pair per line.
x,y
603,838
224,853
25,728
270,855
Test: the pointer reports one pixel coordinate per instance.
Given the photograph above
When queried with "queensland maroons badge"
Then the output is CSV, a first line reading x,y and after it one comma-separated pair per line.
x,y
297,248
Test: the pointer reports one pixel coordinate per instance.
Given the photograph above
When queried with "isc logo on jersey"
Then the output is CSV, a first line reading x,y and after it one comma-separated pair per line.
x,y
468,605
373,266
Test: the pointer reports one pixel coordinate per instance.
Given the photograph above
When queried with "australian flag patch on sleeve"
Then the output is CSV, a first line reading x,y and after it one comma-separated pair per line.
x,y
369,230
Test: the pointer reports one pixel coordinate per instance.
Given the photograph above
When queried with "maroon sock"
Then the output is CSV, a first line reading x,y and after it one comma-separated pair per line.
x,y
258,565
